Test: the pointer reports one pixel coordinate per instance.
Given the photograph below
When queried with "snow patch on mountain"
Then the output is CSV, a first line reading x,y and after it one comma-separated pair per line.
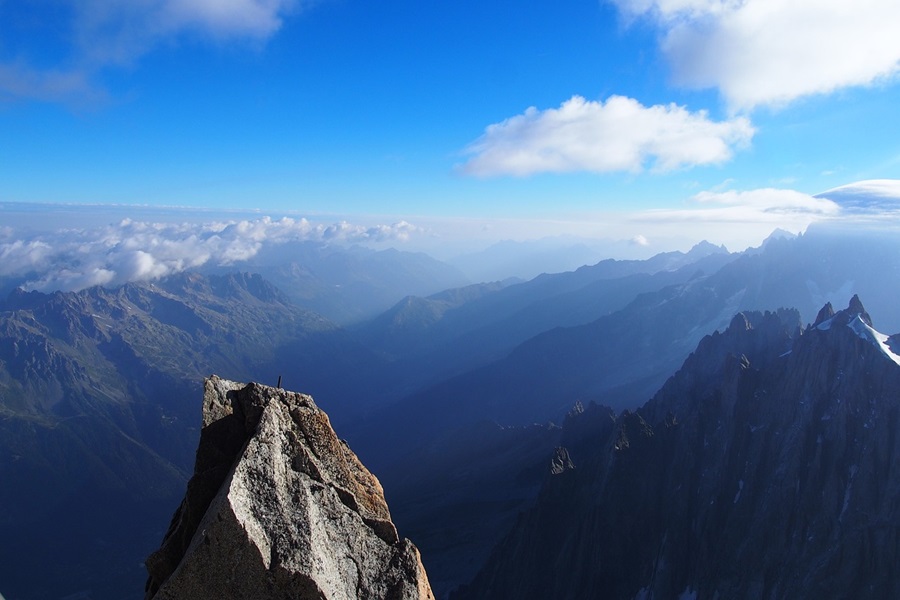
x,y
866,332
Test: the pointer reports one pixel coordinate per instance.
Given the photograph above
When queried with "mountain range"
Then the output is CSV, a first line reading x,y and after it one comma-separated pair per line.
x,y
455,400
764,468
618,360
348,284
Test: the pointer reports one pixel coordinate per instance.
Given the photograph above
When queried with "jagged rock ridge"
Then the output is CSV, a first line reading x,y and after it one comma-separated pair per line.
x,y
280,507
767,467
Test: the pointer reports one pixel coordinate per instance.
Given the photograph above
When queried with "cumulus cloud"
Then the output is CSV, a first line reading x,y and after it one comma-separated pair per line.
x,y
617,135
103,33
71,260
639,240
770,52
20,256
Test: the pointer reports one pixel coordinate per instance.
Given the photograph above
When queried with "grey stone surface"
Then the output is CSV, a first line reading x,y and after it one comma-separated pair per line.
x,y
280,507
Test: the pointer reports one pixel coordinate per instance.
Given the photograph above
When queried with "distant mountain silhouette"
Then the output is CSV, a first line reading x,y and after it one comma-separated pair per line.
x,y
622,358
450,332
349,284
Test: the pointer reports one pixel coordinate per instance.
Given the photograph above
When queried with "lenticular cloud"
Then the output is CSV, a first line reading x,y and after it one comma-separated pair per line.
x,y
71,260
779,207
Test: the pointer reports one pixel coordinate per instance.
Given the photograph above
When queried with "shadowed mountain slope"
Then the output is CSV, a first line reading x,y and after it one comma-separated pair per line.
x,y
763,468
619,359
448,333
98,419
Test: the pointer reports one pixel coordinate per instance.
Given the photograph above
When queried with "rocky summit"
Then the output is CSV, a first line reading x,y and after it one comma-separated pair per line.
x,y
767,467
280,507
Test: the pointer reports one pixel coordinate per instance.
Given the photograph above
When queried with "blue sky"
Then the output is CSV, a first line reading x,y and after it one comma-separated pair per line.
x,y
580,117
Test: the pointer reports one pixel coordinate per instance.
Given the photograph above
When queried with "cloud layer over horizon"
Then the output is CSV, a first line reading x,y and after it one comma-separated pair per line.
x,y
74,259
71,259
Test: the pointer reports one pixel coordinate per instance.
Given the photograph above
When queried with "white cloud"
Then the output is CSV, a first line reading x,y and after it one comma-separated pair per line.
x,y
770,52
874,199
20,256
120,31
640,240
399,231
18,81
771,200
876,188
675,9
744,218
618,135
738,219
256,18
143,251
104,33
794,209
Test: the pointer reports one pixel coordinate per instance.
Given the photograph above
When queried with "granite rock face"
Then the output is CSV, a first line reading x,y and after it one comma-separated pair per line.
x,y
767,467
279,507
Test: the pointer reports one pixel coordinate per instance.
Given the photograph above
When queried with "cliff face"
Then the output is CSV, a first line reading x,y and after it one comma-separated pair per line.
x,y
767,467
98,419
279,507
